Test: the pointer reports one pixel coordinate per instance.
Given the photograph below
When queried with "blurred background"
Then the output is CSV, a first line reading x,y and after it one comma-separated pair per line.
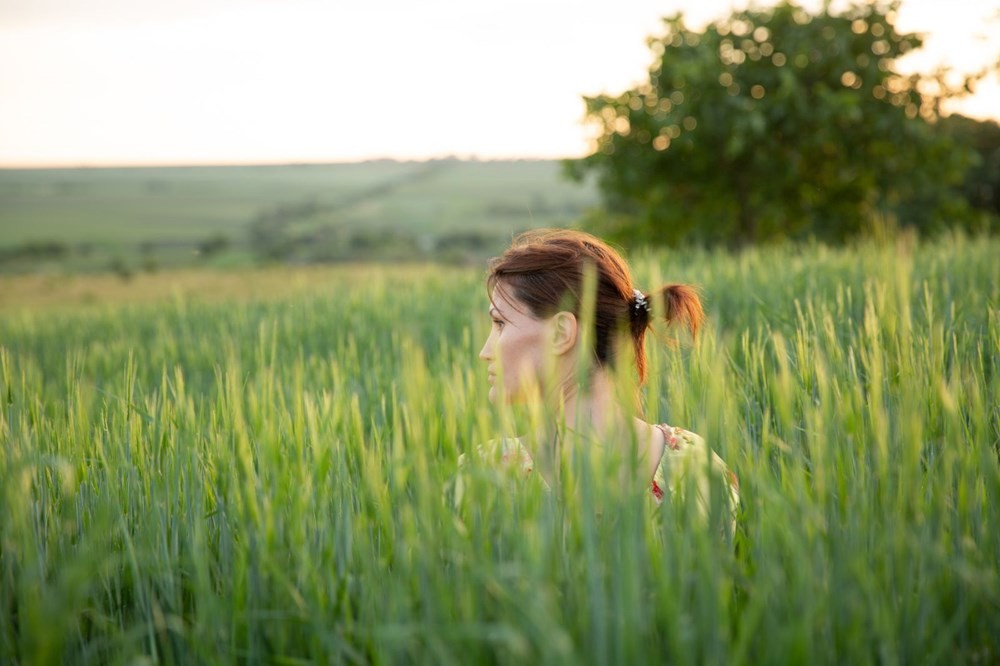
x,y
142,136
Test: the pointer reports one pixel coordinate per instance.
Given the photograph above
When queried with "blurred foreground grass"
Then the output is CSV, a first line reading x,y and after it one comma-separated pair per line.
x,y
254,467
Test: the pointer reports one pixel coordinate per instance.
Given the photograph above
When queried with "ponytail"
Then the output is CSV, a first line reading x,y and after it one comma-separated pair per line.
x,y
681,307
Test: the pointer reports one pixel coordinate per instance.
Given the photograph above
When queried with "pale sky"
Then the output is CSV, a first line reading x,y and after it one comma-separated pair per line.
x,y
104,82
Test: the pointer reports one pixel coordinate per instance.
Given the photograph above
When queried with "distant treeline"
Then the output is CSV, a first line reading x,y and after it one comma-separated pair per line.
x,y
335,244
321,245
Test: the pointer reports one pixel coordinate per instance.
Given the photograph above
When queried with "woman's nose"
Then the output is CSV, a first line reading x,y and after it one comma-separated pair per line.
x,y
486,353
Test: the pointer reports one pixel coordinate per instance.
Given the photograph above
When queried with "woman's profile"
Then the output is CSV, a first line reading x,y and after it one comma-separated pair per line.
x,y
542,292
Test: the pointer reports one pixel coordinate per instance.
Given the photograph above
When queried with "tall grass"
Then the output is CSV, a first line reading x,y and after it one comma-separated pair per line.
x,y
271,481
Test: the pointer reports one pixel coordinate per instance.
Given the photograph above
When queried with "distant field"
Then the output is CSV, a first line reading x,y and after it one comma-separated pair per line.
x,y
176,216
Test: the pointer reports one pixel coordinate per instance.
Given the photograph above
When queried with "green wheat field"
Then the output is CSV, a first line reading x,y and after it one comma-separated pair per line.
x,y
259,466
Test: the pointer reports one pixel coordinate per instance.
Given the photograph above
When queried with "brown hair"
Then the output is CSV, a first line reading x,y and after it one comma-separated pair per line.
x,y
545,268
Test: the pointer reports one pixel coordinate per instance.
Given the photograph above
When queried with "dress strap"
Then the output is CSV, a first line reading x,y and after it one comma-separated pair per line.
x,y
671,436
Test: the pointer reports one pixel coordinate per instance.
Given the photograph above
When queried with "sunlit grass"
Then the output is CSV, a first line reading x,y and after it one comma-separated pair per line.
x,y
258,467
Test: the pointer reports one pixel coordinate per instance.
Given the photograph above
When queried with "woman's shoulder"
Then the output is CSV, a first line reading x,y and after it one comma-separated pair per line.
x,y
687,456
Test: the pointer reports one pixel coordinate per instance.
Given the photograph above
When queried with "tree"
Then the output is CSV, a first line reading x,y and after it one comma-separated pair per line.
x,y
775,122
982,182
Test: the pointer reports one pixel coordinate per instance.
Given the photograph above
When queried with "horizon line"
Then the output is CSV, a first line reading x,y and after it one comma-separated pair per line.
x,y
454,157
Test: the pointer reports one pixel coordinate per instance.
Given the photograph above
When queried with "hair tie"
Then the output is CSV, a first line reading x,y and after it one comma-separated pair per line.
x,y
639,302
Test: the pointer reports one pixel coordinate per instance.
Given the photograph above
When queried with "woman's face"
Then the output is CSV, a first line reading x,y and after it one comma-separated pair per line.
x,y
514,350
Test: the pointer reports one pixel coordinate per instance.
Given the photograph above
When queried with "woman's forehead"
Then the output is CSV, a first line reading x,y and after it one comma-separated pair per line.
x,y
503,302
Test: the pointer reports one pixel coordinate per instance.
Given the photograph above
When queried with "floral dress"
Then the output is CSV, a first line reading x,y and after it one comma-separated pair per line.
x,y
686,459
686,465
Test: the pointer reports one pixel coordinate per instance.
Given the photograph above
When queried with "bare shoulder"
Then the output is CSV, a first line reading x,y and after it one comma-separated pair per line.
x,y
650,441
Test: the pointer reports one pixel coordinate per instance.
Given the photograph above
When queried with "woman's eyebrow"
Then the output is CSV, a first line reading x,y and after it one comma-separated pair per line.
x,y
496,313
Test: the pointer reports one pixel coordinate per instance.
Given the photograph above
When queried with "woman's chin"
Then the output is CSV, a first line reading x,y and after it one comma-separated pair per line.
x,y
498,396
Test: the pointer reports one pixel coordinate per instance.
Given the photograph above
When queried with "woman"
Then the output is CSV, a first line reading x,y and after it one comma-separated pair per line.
x,y
538,352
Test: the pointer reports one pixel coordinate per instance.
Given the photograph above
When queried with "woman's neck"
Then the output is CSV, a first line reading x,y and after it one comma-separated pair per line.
x,y
593,410
600,415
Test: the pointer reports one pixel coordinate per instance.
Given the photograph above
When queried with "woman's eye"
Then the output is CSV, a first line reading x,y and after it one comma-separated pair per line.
x,y
498,323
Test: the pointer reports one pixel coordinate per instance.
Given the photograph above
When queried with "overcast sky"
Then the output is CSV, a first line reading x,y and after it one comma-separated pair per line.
x,y
96,82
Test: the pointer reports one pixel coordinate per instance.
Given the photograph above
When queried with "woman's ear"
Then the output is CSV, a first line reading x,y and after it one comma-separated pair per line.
x,y
564,332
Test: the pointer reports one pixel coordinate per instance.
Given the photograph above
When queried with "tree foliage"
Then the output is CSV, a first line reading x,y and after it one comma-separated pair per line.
x,y
982,182
773,123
